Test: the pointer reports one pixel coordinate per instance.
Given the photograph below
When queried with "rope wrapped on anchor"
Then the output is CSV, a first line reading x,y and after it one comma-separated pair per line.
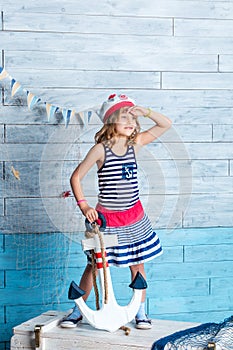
x,y
89,234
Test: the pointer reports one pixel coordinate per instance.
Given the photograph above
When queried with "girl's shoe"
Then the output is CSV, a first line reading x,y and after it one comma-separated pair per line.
x,y
69,322
143,324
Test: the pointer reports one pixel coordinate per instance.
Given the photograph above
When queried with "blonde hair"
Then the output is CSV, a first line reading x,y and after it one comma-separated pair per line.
x,y
107,134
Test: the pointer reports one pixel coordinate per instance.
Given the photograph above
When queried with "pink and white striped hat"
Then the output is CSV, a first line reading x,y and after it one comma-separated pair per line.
x,y
114,103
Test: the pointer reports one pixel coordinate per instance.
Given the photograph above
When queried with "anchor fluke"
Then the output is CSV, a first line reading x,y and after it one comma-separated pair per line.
x,y
139,282
75,291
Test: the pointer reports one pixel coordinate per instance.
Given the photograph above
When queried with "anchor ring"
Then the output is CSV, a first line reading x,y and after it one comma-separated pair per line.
x,y
101,222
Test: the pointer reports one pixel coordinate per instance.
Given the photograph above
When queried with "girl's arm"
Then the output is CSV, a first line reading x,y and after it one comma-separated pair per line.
x,y
95,155
162,124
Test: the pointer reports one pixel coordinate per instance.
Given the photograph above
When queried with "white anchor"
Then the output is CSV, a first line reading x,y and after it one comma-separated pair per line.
x,y
110,316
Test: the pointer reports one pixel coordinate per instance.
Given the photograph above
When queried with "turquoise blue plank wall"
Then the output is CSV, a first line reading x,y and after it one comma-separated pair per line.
x,y
191,281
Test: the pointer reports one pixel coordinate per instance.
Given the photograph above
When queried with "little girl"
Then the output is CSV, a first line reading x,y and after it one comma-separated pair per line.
x,y
114,153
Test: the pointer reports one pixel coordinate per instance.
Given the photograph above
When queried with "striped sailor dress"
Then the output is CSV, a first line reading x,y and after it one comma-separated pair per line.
x,y
118,201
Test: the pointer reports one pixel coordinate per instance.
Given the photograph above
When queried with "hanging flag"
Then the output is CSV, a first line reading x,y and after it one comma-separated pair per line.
x,y
67,114
3,73
32,100
51,110
96,110
15,87
81,116
89,114
85,117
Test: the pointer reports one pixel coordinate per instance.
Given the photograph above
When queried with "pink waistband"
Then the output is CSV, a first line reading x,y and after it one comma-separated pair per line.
x,y
122,218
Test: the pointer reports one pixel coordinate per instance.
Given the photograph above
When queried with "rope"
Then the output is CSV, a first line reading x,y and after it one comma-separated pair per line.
x,y
93,264
101,239
125,329
89,234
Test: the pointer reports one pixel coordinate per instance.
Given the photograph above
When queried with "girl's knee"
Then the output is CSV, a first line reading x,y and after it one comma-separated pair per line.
x,y
137,268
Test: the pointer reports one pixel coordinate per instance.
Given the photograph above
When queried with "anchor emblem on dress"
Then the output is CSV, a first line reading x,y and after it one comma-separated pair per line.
x,y
110,316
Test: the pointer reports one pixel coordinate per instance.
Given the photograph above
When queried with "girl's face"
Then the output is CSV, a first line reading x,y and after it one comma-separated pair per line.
x,y
125,123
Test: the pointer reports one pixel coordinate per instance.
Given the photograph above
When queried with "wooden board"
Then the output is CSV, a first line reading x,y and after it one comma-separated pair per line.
x,y
86,337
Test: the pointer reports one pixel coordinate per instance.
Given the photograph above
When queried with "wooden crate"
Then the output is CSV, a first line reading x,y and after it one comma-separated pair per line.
x,y
43,333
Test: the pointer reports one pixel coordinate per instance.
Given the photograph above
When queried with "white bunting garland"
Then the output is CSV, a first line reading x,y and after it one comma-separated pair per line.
x,y
51,109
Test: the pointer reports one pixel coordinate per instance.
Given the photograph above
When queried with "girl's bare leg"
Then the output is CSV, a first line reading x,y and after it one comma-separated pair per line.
x,y
86,282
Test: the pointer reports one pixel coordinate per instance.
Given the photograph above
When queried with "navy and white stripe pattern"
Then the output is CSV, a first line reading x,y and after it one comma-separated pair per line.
x,y
118,191
137,244
118,185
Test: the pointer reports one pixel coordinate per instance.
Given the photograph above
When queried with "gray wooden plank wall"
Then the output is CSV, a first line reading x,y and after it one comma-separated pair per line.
x,y
75,55
174,56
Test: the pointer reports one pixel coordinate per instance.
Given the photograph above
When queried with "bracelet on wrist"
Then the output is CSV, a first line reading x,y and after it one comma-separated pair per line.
x,y
148,113
81,200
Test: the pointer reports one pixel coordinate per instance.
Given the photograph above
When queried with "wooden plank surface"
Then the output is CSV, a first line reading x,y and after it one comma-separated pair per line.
x,y
82,42
104,24
17,61
226,63
197,80
1,133
83,79
167,8
203,27
86,337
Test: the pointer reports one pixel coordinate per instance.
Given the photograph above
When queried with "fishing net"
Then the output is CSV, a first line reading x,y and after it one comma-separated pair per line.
x,y
218,336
